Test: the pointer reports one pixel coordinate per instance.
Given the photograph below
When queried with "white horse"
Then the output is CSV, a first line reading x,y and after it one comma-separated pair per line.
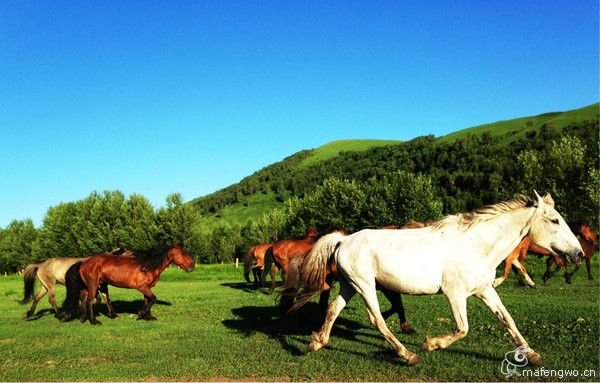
x,y
456,256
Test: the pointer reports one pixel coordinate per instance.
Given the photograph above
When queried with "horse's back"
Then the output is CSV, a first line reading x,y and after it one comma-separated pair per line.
x,y
400,260
56,268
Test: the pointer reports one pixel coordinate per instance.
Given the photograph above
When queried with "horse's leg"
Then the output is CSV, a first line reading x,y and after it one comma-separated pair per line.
x,y
104,291
149,299
36,299
256,271
91,295
321,338
507,262
458,304
518,265
587,266
549,273
369,294
274,271
490,297
569,275
397,307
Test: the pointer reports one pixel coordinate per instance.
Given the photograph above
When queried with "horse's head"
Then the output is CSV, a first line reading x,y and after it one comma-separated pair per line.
x,y
587,233
312,233
550,231
181,258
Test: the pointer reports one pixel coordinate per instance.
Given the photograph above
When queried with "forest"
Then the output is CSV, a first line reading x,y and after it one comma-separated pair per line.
x,y
421,179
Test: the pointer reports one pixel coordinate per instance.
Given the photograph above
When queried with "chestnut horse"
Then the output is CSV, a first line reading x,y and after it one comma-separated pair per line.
x,y
516,259
51,272
589,243
257,254
282,251
140,273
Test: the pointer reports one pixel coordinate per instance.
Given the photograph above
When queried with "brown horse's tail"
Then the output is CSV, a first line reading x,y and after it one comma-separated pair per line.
x,y
248,261
74,285
29,276
267,266
313,270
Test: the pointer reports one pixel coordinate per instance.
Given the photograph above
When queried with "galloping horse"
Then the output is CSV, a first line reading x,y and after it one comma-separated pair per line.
x,y
51,272
140,272
282,251
257,253
516,259
458,257
589,243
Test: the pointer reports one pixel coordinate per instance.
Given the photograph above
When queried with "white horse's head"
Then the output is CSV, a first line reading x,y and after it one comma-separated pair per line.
x,y
550,231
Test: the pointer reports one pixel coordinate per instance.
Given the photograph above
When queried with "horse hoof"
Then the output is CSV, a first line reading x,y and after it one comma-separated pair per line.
x,y
414,360
96,322
533,286
314,346
407,329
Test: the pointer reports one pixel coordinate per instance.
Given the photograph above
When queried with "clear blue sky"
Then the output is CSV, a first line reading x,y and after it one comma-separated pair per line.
x,y
175,96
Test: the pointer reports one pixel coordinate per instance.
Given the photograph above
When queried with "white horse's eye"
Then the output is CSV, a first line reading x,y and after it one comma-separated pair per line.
x,y
554,221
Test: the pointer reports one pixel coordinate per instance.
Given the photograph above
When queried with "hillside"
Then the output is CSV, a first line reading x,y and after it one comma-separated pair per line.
x,y
361,159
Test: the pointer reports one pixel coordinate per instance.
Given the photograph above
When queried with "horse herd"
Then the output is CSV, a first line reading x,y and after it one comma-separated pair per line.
x,y
456,256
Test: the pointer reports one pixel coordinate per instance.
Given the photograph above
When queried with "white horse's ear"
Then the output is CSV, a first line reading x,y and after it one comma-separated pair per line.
x,y
537,199
548,199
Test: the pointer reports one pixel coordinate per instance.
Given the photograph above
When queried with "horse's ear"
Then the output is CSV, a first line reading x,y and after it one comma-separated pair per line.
x,y
548,199
537,199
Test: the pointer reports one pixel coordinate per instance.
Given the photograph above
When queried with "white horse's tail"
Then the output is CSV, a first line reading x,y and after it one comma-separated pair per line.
x,y
314,267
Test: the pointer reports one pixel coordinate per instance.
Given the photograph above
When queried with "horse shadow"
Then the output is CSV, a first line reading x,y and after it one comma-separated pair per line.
x,y
250,287
291,329
126,307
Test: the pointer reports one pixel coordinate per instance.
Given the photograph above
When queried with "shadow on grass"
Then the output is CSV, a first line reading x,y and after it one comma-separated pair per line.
x,y
121,307
291,330
250,287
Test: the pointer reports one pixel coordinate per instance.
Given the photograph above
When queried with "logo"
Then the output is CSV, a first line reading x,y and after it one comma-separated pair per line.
x,y
512,361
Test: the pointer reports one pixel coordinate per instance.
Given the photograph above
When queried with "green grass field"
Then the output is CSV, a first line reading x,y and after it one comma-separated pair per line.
x,y
211,326
332,149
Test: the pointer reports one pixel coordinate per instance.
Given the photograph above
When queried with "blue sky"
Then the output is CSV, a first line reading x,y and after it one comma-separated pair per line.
x,y
161,97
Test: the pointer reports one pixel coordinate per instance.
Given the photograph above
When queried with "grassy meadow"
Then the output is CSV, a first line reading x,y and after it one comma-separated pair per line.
x,y
212,326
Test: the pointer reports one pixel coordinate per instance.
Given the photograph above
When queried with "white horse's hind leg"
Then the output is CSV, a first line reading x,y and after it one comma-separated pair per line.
x,y
370,297
458,304
321,339
491,299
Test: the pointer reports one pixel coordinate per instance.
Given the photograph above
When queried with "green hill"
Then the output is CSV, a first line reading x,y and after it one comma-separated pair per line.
x,y
520,126
303,171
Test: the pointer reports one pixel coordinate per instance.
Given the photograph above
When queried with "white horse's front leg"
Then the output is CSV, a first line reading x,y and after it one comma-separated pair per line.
x,y
490,297
458,304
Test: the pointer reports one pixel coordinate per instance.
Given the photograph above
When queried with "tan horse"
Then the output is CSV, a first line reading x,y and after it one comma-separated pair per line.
x,y
51,272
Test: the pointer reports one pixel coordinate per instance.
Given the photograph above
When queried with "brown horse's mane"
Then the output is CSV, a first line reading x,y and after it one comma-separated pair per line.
x,y
152,258
485,213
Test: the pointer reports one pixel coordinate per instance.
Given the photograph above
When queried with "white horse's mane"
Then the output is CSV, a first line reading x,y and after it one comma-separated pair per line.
x,y
466,220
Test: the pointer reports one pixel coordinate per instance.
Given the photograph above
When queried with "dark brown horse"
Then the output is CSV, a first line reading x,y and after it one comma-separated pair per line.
x,y
254,261
283,251
140,273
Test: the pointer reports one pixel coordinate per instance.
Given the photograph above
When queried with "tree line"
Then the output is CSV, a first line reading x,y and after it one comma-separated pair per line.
x,y
422,179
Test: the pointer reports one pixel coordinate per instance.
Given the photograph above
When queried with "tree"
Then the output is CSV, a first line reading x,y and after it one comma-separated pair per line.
x,y
16,243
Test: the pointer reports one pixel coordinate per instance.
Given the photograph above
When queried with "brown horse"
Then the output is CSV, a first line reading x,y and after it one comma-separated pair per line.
x,y
140,273
254,261
283,251
516,259
589,243
51,272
